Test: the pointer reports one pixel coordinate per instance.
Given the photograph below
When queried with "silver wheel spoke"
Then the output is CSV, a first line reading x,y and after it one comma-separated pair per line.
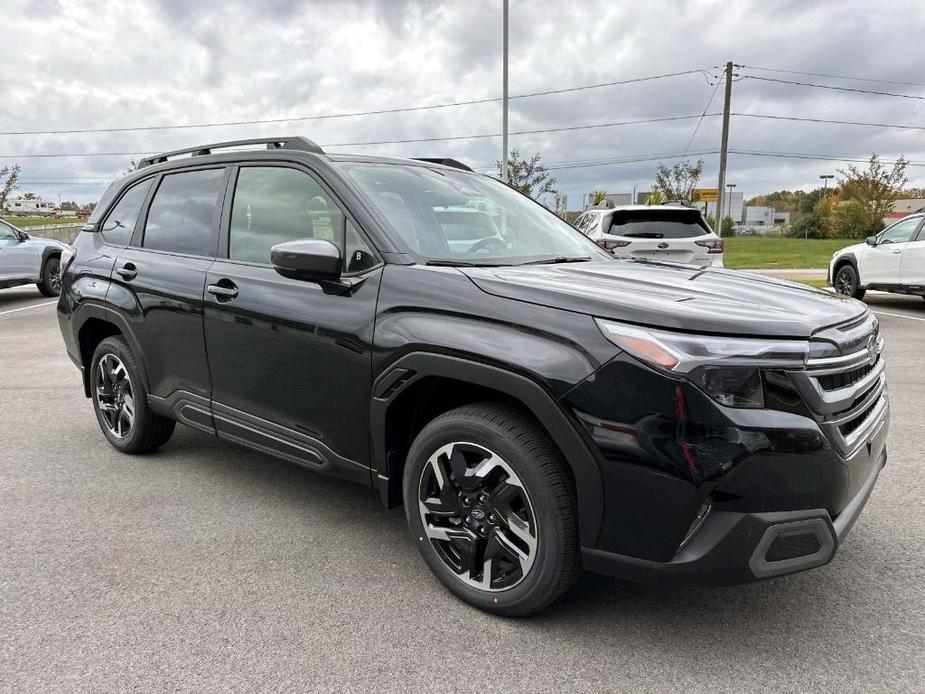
x,y
477,516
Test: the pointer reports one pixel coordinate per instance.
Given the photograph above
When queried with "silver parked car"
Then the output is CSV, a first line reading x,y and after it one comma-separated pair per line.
x,y
655,232
25,259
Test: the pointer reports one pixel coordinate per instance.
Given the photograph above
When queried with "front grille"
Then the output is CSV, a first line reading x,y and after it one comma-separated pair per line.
x,y
846,388
848,378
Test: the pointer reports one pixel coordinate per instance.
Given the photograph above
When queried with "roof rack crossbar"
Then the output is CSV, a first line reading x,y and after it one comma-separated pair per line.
x,y
300,143
445,161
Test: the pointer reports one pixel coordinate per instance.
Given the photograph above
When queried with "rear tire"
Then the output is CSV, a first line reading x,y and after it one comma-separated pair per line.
x,y
846,282
50,284
491,506
120,400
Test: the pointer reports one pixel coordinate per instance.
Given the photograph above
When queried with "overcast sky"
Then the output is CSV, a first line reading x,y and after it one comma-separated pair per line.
x,y
128,63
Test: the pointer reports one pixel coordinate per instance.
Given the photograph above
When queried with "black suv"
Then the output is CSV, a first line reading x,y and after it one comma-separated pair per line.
x,y
536,404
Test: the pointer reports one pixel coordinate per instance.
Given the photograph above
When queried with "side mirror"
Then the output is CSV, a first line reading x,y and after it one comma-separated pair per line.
x,y
23,236
312,260
871,240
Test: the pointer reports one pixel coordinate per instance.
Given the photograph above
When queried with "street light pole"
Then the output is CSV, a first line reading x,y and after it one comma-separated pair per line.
x,y
504,28
730,186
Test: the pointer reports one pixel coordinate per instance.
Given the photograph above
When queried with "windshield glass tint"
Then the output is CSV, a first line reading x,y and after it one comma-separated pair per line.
x,y
462,217
648,227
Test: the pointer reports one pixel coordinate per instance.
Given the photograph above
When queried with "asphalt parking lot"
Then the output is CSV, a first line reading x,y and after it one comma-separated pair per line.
x,y
208,567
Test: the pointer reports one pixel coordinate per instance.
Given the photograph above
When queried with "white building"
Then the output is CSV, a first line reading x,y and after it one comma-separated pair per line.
x,y
762,220
732,206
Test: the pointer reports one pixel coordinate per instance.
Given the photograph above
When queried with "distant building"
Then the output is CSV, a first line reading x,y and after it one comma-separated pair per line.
x,y
757,219
903,208
732,206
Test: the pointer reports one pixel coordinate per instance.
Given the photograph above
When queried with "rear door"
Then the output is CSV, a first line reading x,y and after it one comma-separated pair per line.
x,y
19,259
882,264
913,262
661,234
290,359
159,281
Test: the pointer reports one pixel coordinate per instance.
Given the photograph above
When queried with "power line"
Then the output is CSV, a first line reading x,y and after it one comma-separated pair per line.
x,y
586,163
818,157
837,77
473,136
702,116
827,120
407,109
835,88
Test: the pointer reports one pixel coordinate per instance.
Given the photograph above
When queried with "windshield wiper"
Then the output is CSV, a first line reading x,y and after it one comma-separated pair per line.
x,y
460,263
560,259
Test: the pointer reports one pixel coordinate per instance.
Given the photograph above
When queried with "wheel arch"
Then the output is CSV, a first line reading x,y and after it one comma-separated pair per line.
x,y
403,403
847,259
93,325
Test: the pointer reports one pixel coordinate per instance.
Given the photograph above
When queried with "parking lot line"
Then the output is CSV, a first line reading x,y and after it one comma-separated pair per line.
x,y
26,308
898,315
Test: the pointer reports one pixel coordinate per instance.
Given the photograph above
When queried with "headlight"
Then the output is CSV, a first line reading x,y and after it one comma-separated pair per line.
x,y
728,369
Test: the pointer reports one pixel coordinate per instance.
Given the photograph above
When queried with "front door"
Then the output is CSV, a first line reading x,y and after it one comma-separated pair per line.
x,y
291,360
913,263
881,264
18,259
158,284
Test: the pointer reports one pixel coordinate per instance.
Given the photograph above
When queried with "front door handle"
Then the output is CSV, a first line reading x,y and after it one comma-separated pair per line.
x,y
223,290
128,271
896,252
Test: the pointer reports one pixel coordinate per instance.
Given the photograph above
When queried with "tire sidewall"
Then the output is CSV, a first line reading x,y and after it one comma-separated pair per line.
x,y
45,284
545,509
854,279
117,347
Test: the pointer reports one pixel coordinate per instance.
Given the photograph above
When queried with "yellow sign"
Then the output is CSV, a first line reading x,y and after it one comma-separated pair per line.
x,y
706,195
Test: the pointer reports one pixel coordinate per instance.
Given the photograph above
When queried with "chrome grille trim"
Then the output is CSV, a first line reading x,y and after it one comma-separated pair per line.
x,y
857,408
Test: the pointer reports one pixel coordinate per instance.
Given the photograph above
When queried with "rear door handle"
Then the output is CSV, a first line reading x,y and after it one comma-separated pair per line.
x,y
896,252
128,271
223,290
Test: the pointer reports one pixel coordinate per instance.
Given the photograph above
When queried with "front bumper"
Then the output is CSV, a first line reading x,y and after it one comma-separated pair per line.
x,y
732,548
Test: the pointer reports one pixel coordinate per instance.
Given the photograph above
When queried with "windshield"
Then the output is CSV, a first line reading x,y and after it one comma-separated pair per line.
x,y
460,218
660,224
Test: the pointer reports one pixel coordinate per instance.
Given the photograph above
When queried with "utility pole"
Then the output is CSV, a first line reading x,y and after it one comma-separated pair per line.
x,y
504,28
724,146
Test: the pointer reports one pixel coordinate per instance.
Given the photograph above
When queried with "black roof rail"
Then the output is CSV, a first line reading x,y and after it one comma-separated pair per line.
x,y
300,143
445,161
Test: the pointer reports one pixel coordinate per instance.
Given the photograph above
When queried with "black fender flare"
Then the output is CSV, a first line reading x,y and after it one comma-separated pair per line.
x,y
88,311
578,451
48,252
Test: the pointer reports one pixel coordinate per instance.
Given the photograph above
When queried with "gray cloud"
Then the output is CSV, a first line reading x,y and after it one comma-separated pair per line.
x,y
166,61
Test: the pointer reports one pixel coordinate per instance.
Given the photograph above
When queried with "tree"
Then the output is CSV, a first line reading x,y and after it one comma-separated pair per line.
x,y
851,221
133,164
678,182
9,178
655,197
711,221
598,196
30,196
728,227
875,188
529,176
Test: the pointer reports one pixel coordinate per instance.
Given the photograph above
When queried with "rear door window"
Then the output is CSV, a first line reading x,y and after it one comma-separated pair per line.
x,y
120,222
183,214
657,225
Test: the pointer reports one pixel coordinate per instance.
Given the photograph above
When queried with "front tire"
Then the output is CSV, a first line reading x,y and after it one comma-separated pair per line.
x,y
50,284
121,401
847,283
491,506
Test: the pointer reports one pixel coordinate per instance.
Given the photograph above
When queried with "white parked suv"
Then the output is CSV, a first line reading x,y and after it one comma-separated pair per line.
x,y
891,261
26,259
655,232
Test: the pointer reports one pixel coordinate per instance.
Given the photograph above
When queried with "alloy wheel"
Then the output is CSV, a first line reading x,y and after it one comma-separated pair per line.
x,y
477,516
844,282
115,396
54,276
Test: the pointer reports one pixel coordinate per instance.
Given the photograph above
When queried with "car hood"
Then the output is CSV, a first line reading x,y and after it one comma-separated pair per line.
x,y
666,295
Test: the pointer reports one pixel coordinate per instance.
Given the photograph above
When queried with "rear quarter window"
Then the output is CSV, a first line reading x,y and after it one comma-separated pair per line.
x,y
120,222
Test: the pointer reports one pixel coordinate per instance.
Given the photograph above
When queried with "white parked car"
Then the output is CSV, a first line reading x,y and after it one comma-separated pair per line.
x,y
655,232
26,259
891,261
